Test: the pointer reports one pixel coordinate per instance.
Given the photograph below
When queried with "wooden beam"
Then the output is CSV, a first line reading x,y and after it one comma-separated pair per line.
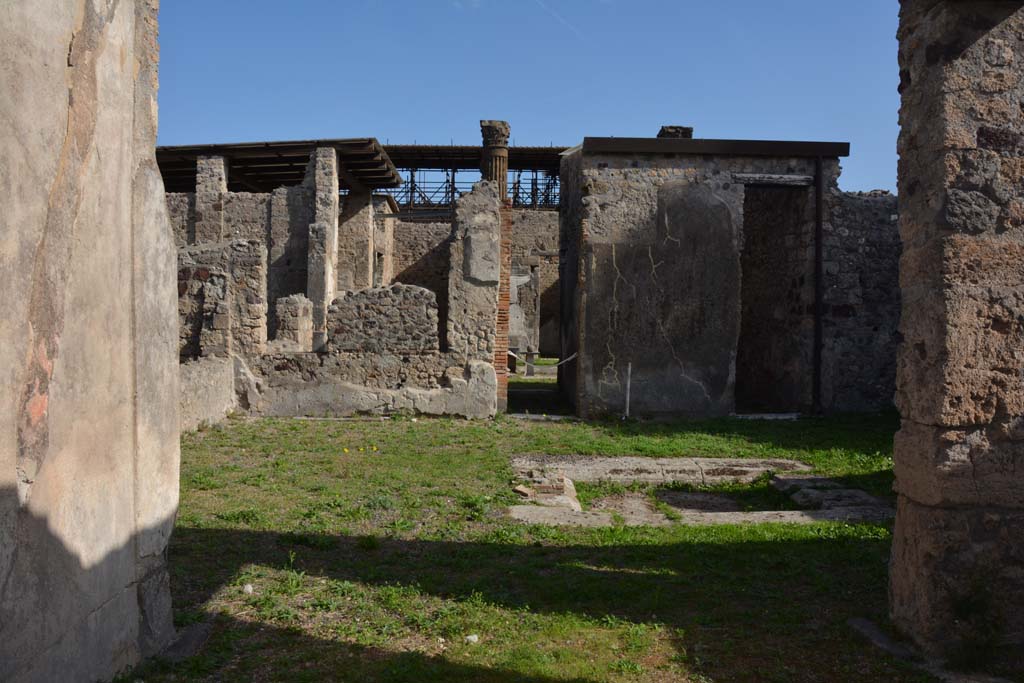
x,y
779,179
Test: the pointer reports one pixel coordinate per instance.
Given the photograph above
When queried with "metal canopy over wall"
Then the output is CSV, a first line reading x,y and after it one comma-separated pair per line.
x,y
424,180
265,166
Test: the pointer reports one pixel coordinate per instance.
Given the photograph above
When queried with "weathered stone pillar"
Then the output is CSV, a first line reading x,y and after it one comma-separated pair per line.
x,y
323,241
89,447
355,242
211,186
957,575
494,157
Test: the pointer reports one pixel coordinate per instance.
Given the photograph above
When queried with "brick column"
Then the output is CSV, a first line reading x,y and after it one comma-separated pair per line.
x,y
211,186
957,572
504,294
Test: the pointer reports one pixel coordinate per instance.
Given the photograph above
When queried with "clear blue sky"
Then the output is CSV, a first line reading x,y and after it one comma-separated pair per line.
x,y
427,71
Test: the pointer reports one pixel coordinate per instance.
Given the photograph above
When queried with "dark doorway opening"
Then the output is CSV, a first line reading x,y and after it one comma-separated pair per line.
x,y
775,357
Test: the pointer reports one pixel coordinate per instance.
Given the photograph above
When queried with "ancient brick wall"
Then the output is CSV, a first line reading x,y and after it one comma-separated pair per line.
x,y
861,309
501,328
957,572
395,319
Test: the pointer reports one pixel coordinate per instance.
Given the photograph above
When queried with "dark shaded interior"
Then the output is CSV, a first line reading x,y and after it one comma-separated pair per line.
x,y
774,356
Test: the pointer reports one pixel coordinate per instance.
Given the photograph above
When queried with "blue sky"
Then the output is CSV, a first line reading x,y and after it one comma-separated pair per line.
x,y
427,71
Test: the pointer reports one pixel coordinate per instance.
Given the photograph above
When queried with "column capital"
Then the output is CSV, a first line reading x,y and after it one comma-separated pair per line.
x,y
495,133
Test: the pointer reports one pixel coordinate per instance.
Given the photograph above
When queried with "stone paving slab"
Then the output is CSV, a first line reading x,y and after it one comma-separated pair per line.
x,y
533,514
632,469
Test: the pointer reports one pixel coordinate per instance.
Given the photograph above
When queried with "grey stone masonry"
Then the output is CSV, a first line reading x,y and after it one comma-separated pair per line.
x,y
243,265
957,570
862,302
355,242
323,242
396,319
294,324
474,274
211,190
204,310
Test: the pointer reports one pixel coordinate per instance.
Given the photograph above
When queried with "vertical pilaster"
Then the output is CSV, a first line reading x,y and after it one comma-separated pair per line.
x,y
211,186
957,571
323,241
355,241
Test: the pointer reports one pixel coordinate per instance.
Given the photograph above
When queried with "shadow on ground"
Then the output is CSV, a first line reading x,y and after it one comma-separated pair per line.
x,y
760,610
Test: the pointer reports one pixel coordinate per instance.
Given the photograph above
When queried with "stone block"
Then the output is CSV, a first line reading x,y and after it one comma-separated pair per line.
x,y
955,578
944,467
963,332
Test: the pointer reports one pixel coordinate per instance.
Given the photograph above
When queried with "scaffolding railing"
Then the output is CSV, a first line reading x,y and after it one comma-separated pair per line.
x,y
434,191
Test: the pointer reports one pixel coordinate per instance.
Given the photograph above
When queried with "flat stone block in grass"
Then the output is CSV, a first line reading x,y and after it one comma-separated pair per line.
x,y
633,469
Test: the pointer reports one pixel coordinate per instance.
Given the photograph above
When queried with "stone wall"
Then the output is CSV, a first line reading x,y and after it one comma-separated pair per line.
x,y
535,246
294,325
396,319
383,240
356,230
383,353
280,219
570,233
475,272
957,572
645,306
861,309
214,278
207,391
421,257
88,371
657,301
204,312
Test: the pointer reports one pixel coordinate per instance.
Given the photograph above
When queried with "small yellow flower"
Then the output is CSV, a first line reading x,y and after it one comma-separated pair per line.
x,y
361,450
345,450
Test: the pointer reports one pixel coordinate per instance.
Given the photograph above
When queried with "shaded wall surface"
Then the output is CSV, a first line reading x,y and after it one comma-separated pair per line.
x,y
88,390
702,301
776,342
957,572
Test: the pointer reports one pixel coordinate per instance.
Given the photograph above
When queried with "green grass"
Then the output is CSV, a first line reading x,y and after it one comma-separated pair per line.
x,y
375,548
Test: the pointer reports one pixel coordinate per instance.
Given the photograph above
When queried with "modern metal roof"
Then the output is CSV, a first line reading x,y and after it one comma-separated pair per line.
x,y
265,166
745,148
468,157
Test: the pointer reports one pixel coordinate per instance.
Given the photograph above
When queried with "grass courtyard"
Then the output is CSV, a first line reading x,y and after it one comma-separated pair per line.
x,y
372,549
